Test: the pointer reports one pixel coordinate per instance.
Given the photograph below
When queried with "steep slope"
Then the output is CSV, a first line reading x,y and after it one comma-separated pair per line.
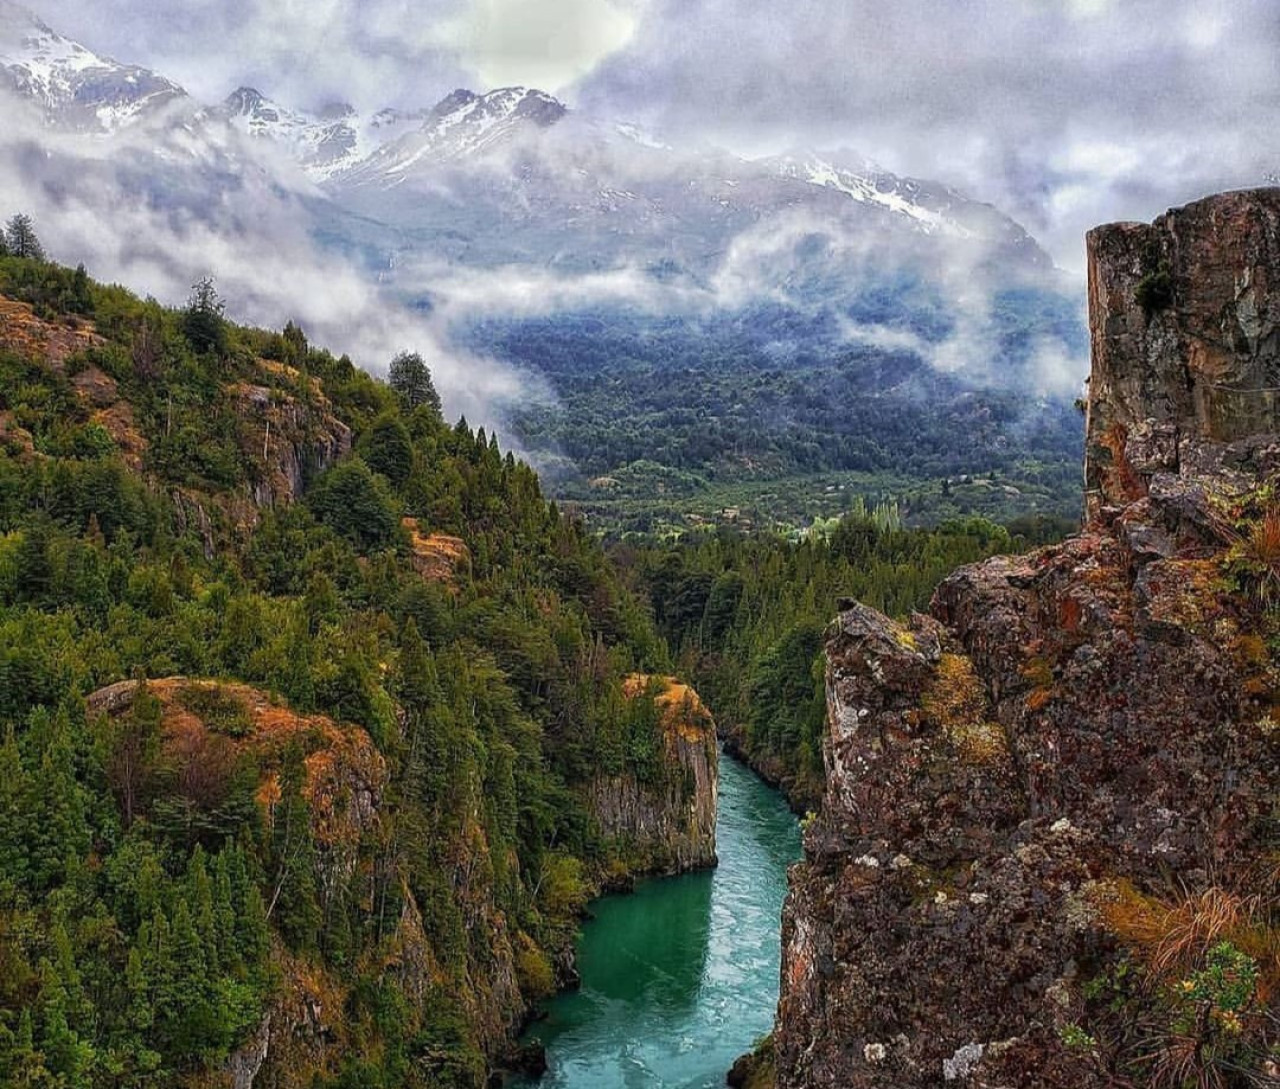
x,y
75,87
346,837
1046,855
665,816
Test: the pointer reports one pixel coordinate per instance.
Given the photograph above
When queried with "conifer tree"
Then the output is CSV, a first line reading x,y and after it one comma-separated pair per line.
x,y
14,829
21,238
410,377
202,321
294,904
224,910
67,1056
59,830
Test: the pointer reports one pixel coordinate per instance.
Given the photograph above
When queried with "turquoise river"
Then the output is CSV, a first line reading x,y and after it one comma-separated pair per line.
x,y
680,977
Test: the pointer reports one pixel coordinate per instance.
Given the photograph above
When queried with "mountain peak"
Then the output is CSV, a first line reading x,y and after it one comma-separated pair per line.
x,y
74,86
244,100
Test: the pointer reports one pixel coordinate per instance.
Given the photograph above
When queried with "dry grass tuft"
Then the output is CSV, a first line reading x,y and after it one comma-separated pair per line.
x,y
1174,937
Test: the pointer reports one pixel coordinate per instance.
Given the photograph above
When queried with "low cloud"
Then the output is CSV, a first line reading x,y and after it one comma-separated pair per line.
x,y
371,53
139,210
1064,112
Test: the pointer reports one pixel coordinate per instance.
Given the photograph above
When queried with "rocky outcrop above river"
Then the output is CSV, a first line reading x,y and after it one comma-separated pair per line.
x,y
666,822
1047,850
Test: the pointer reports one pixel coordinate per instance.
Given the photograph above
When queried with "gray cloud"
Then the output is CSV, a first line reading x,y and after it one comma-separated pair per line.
x,y
1065,112
372,53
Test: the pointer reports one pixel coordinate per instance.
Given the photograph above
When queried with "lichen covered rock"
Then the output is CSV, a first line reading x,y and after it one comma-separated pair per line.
x,y
1031,789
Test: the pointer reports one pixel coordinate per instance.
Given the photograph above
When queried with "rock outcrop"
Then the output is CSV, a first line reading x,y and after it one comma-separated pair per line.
x,y
292,437
436,556
1050,805
667,825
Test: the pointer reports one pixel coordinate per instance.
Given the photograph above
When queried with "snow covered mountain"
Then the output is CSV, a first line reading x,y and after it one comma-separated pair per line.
x,y
507,173
510,199
326,144
382,148
77,88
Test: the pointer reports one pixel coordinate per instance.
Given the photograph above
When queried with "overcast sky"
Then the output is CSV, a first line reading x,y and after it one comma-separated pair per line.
x,y
1064,112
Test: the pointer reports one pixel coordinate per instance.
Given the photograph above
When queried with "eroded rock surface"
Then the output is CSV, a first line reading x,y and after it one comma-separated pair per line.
x,y
667,825
1084,729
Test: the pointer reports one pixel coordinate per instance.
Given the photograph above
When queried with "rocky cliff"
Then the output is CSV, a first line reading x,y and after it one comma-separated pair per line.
x,y
666,823
1047,854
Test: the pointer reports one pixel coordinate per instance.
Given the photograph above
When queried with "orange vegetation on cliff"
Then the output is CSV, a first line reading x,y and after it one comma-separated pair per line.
x,y
34,338
208,725
682,710
436,557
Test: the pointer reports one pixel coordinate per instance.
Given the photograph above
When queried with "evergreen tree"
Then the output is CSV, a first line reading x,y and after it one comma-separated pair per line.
x,y
357,504
202,321
295,345
389,448
67,1056
81,301
14,818
294,903
21,239
410,377
59,830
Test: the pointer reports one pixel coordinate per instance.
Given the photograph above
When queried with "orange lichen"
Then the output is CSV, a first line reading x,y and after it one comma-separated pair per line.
x,y
1183,593
956,703
1038,699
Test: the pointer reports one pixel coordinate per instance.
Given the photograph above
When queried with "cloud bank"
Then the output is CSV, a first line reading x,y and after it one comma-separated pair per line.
x,y
370,53
158,211
1065,112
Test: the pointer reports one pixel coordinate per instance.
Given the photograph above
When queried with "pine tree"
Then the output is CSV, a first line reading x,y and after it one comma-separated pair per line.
x,y
14,827
295,345
21,1065
81,301
294,903
139,1016
224,910
67,1056
202,321
410,377
199,894
389,448
59,829
21,239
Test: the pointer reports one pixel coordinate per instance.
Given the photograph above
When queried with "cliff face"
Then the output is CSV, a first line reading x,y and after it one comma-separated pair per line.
x,y
667,825
1043,854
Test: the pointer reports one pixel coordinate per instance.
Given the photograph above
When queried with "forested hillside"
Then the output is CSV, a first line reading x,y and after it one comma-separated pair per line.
x,y
361,675
657,425
746,617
